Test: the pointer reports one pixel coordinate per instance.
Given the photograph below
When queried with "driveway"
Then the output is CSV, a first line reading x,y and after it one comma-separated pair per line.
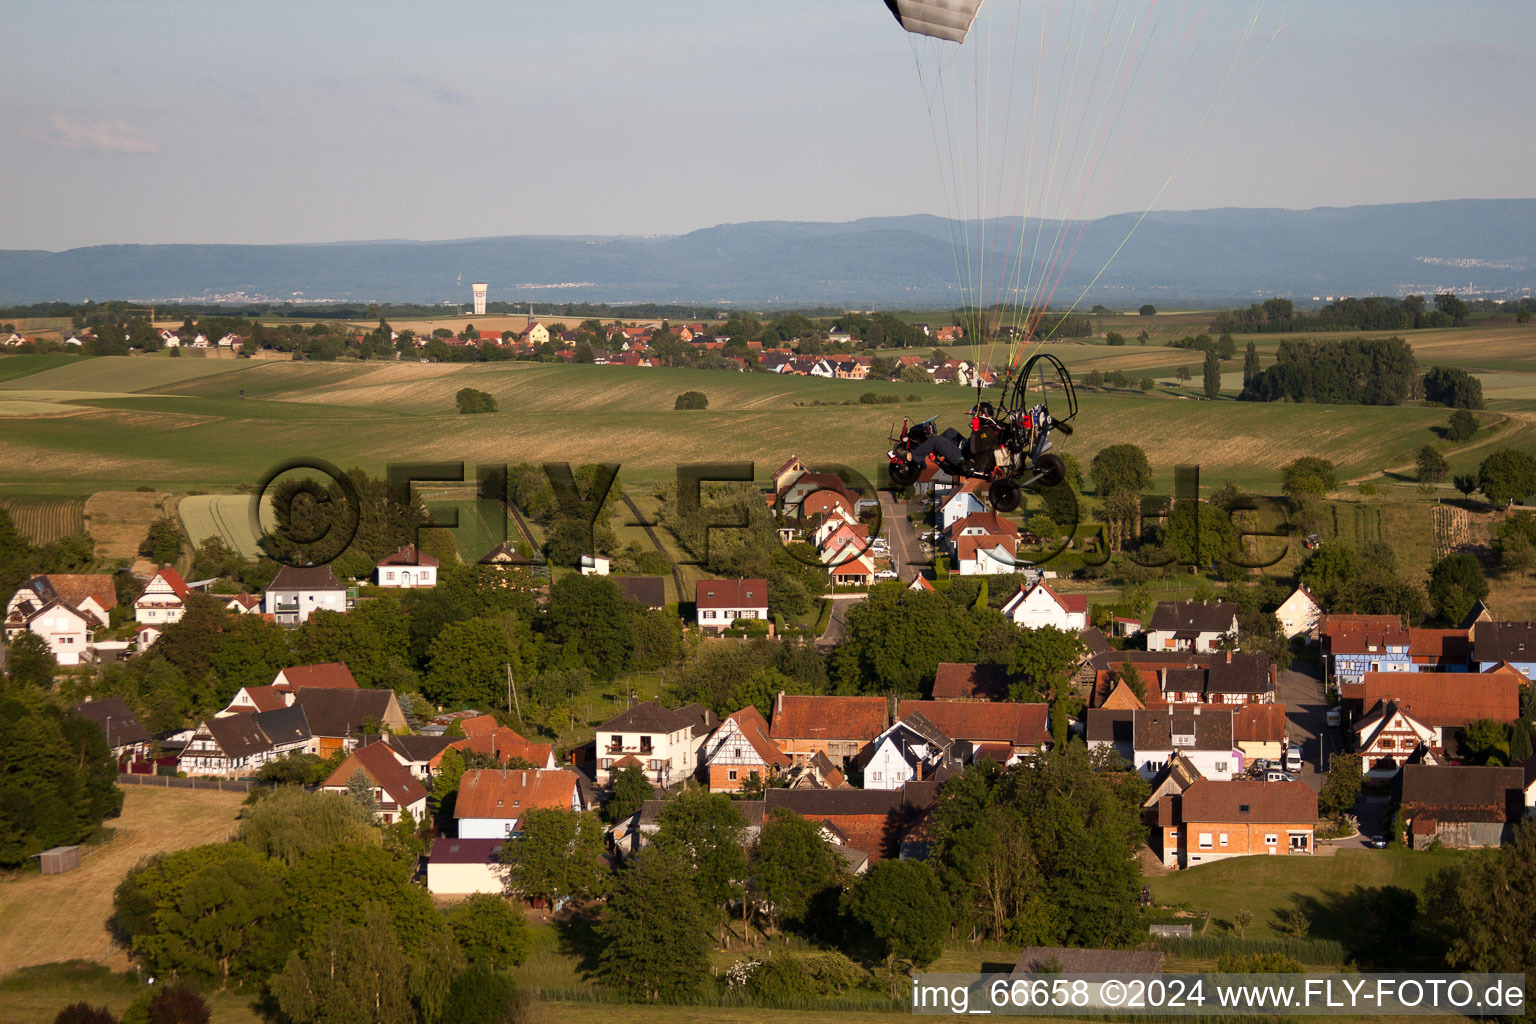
x,y
837,623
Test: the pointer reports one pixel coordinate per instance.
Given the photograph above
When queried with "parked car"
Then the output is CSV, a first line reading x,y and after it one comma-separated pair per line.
x,y
1377,842
886,574
1261,763
1276,775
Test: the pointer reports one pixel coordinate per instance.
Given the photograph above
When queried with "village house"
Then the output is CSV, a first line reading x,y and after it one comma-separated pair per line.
x,y
1198,626
127,739
239,745
1461,806
398,792
1495,643
339,718
1113,729
242,604
913,748
419,753
407,567
1389,737
1202,733
163,599
987,555
1229,678
720,603
462,867
90,594
1259,731
1299,614
1439,650
739,749
1213,820
872,821
66,631
1356,644
492,801
981,524
1000,732
295,593
839,727
647,591
960,502
1040,605
1445,701
500,743
664,743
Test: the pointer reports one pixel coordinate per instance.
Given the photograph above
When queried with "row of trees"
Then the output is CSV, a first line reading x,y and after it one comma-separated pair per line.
x,y
1351,372
1369,314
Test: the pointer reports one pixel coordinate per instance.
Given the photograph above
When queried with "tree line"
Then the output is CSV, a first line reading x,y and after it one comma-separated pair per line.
x,y
1375,313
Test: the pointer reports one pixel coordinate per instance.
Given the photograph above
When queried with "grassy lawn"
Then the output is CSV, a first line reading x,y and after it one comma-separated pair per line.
x,y
1268,885
33,907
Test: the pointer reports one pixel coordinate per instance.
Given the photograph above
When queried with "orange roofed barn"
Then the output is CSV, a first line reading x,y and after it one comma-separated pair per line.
x,y
840,727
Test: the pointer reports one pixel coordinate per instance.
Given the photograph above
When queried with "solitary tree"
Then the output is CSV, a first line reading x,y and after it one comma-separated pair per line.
x,y
1456,583
1463,426
1432,467
1507,476
1342,787
1212,374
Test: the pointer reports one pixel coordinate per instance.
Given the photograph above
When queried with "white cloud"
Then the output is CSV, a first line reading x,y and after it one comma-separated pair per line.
x,y
97,136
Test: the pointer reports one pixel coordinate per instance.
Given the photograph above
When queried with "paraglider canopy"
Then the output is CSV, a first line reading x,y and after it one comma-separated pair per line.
x,y
942,19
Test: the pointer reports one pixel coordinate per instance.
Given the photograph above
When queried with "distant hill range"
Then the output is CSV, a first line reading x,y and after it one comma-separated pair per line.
x,y
1224,256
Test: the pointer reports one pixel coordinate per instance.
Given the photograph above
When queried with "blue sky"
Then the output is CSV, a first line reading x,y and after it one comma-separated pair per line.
x,y
174,121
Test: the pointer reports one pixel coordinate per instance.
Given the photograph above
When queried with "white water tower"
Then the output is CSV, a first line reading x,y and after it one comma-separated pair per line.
x,y
479,288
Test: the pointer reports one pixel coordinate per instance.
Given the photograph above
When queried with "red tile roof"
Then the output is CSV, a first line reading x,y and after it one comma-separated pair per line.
x,y
266,698
754,727
332,675
1439,645
960,681
990,522
74,588
1443,698
966,547
503,744
1272,803
174,581
408,555
498,793
1259,723
1023,725
731,594
839,718
381,766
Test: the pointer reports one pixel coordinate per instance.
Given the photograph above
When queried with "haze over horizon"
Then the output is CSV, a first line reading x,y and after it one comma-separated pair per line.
x,y
293,123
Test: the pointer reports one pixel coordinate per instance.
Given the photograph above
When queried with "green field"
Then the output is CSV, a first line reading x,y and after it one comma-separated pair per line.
x,y
184,424
1268,885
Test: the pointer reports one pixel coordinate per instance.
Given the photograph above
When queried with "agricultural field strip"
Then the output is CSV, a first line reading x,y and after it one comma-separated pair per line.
x,y
222,515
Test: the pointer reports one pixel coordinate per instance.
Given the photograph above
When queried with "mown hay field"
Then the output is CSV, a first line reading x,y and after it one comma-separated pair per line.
x,y
118,521
49,918
226,516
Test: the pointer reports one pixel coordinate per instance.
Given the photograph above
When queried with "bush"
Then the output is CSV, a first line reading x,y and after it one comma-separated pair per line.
x,y
781,978
84,1013
691,400
178,1005
479,996
1258,963
472,401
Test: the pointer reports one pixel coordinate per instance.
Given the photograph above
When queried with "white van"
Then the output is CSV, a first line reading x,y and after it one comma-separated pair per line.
x,y
1292,760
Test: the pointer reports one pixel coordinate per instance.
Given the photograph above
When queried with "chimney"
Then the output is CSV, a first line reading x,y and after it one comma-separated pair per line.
x,y
1229,657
